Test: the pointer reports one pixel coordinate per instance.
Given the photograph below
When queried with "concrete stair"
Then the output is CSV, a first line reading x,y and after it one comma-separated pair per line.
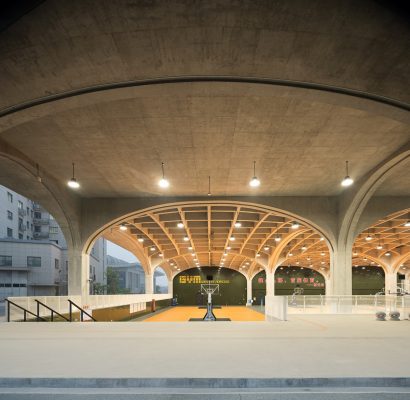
x,y
206,389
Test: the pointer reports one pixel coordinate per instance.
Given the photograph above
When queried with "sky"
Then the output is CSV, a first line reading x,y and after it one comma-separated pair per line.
x,y
119,252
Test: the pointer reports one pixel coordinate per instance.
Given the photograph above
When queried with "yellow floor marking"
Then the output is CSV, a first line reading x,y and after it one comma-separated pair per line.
x,y
182,313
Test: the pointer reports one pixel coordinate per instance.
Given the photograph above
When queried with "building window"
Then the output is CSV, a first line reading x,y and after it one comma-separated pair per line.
x,y
53,229
5,261
33,261
20,205
10,215
28,237
20,236
56,263
28,225
9,232
37,215
10,197
37,228
28,212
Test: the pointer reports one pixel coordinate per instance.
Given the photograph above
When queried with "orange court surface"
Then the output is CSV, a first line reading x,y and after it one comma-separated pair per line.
x,y
181,314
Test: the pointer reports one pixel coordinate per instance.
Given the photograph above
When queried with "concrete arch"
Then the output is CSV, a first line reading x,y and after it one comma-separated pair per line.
x,y
354,202
21,176
102,216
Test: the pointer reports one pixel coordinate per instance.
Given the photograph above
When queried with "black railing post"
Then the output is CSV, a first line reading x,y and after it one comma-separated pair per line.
x,y
71,311
25,316
52,314
38,312
8,311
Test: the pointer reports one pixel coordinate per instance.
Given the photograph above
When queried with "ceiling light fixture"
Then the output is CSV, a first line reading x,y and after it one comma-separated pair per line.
x,y
38,177
73,183
278,238
228,248
266,248
368,237
180,225
295,225
407,224
254,182
141,240
258,255
322,254
152,248
238,224
347,181
232,238
379,247
186,238
164,183
123,227
387,254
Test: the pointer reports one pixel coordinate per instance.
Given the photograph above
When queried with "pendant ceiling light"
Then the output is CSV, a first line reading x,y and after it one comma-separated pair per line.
x,y
278,238
254,182
295,225
73,183
123,227
164,183
347,181
38,177
238,224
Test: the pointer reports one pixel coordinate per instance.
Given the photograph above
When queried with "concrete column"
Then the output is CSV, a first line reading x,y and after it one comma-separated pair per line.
x,y
341,271
407,282
78,273
248,289
390,282
170,287
328,286
270,283
149,284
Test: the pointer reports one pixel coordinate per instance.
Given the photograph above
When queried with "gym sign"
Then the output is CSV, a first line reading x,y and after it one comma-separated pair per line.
x,y
196,279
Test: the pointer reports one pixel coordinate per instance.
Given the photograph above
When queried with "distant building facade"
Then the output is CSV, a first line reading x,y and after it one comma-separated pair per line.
x,y
33,250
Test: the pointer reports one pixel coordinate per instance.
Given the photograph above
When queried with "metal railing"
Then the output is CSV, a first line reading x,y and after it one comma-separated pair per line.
x,y
39,303
82,312
25,312
356,304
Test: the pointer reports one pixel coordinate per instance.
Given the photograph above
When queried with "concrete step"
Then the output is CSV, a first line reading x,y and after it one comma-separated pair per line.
x,y
204,394
205,389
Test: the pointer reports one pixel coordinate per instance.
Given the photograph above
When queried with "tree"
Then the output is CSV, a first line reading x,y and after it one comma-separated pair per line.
x,y
113,281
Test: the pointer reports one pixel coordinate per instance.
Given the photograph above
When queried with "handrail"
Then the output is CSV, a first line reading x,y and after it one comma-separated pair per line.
x,y
82,312
21,308
49,308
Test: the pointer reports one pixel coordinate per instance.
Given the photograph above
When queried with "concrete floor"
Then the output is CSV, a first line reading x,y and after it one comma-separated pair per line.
x,y
305,346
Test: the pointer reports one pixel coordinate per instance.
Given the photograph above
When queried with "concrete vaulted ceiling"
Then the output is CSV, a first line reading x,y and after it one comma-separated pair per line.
x,y
299,137
207,88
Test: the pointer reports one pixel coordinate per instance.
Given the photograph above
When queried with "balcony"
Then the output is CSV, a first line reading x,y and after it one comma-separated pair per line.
x,y
22,212
36,207
41,221
22,228
41,235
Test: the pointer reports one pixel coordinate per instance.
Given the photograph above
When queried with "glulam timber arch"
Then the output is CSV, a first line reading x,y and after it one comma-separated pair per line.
x,y
385,243
236,235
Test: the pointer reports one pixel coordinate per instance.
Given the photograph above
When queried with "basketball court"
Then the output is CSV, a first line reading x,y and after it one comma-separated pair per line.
x,y
185,313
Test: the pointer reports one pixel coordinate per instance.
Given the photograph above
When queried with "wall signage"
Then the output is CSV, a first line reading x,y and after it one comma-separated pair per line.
x,y
196,280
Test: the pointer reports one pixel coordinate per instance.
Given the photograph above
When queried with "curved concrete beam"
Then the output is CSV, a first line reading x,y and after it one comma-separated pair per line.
x,y
19,173
101,213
